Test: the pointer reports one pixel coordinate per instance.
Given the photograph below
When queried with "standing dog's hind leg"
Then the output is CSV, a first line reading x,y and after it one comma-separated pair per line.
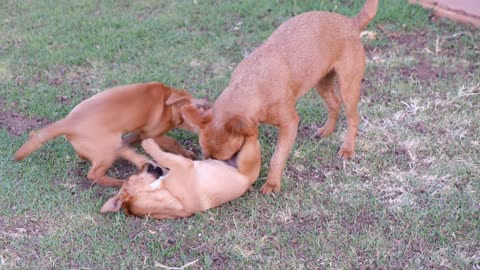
x,y
326,89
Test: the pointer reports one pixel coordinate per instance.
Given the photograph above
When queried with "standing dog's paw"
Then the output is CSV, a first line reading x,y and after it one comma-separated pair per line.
x,y
323,132
268,188
346,153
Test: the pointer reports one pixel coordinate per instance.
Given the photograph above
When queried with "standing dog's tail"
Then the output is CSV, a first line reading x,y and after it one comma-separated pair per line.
x,y
39,137
366,14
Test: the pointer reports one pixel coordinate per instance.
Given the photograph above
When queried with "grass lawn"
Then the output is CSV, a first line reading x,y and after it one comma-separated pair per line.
x,y
410,199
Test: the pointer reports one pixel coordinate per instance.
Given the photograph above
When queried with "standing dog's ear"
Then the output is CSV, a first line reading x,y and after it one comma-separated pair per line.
x,y
112,205
178,97
196,116
239,125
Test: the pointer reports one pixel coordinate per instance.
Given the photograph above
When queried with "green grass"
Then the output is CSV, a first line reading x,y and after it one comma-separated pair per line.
x,y
410,199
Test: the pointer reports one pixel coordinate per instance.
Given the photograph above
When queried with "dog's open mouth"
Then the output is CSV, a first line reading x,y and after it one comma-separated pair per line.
x,y
233,160
154,170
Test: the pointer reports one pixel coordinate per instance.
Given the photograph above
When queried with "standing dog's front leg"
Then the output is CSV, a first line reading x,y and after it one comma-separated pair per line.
x,y
286,138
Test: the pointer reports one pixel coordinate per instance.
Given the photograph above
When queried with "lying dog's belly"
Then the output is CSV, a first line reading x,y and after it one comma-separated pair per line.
x,y
217,183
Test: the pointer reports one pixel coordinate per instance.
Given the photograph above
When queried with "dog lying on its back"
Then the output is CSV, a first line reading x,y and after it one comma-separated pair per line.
x,y
189,186
95,126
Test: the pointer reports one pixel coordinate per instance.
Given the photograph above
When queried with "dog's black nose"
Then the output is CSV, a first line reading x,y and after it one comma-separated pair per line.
x,y
155,170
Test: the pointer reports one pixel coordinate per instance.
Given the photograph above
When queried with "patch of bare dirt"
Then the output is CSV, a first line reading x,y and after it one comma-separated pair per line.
x,y
122,169
17,124
364,219
415,40
423,47
419,126
57,75
20,228
77,177
14,228
422,71
80,79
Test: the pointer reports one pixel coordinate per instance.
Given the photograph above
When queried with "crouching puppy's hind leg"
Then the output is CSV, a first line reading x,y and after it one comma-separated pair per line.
x,y
97,174
129,154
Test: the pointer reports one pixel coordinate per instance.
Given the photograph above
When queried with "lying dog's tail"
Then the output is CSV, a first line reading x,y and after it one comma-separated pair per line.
x,y
366,14
38,138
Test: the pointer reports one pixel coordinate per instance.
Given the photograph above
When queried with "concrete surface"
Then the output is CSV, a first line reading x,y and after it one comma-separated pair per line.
x,y
464,11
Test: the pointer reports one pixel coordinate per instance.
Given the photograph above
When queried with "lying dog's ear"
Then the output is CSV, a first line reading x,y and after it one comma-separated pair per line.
x,y
239,125
195,116
178,97
112,205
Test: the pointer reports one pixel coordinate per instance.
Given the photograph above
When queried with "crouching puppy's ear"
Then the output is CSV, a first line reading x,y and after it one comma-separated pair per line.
x,y
195,116
178,97
112,205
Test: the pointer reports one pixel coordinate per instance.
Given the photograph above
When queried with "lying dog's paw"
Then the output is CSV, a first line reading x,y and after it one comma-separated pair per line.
x,y
189,154
149,144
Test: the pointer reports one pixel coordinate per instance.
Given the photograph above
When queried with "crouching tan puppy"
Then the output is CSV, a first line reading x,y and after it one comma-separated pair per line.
x,y
189,186
95,126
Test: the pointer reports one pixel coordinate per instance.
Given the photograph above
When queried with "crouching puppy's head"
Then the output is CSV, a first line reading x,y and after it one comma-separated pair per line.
x,y
144,194
181,98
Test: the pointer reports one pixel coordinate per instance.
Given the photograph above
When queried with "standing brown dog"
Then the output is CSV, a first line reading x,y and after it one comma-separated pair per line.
x,y
95,126
308,50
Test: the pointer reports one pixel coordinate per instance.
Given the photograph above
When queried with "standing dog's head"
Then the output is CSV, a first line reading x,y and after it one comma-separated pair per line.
x,y
222,136
134,192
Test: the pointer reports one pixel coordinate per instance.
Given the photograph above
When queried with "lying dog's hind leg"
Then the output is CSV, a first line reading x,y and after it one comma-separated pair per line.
x,y
164,159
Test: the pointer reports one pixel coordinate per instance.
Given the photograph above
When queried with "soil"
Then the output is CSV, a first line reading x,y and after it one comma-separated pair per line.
x,y
17,124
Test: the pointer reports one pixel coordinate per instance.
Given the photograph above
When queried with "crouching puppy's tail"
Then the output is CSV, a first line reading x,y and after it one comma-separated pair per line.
x,y
366,14
38,138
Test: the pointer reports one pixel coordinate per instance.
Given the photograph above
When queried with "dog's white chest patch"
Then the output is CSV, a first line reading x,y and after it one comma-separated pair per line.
x,y
155,184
